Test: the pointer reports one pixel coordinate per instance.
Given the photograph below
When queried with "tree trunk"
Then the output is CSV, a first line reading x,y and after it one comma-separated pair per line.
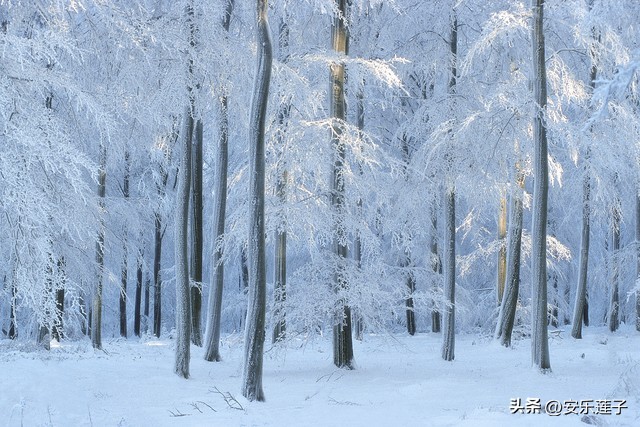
x,y
125,267
214,319
436,266
581,291
358,325
448,336
502,253
212,337
280,261
509,302
181,249
96,323
614,304
57,330
138,301
196,235
13,326
255,323
342,342
539,338
157,258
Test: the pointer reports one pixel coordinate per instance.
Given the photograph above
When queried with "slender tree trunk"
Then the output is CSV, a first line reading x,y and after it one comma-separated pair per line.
x,y
581,291
196,235
157,259
125,268
214,319
509,302
13,326
212,337
436,266
358,325
181,248
449,325
57,330
539,341
502,253
280,261
342,340
96,323
614,304
255,324
407,262
138,301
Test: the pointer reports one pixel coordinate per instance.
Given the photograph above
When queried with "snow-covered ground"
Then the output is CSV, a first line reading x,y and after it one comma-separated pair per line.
x,y
399,380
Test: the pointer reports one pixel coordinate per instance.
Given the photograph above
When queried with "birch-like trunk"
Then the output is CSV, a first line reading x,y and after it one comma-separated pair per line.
x,y
638,259
342,340
509,303
255,323
539,338
181,251
96,311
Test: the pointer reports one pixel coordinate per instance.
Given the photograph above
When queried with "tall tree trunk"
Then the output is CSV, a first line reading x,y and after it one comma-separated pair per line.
x,y
358,325
96,323
614,303
540,340
138,301
449,325
342,342
255,324
581,291
280,261
196,235
509,302
436,266
157,259
214,319
502,253
407,262
181,248
125,268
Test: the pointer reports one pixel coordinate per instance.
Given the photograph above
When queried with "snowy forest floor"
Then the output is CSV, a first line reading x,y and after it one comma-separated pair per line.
x,y
399,380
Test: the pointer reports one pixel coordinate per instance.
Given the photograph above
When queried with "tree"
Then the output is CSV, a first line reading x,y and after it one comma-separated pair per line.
x,y
449,258
255,323
212,334
539,338
96,309
342,342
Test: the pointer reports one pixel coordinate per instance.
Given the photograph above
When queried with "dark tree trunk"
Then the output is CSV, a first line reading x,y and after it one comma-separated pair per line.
x,y
614,305
96,323
13,327
196,235
125,268
342,342
138,301
157,259
580,307
436,266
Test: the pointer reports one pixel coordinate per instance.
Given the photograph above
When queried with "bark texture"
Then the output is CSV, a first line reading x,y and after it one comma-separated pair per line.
x,y
255,323
540,340
96,311
342,339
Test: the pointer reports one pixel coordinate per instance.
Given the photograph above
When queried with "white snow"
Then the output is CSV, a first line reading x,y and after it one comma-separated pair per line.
x,y
399,380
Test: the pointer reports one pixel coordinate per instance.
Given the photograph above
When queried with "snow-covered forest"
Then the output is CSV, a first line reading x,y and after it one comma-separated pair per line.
x,y
237,181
